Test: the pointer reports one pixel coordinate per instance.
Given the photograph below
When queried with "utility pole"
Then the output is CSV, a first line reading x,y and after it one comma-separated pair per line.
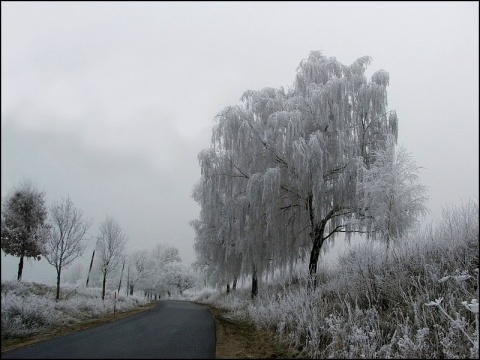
x,y
121,275
128,280
90,269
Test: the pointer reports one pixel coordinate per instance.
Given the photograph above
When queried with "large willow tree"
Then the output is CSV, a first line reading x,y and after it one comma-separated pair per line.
x,y
280,176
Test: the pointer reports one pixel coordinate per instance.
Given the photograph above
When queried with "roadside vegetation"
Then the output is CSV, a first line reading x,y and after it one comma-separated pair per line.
x,y
30,309
288,173
419,302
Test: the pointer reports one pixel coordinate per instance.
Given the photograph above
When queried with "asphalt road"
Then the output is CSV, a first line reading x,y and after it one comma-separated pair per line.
x,y
171,330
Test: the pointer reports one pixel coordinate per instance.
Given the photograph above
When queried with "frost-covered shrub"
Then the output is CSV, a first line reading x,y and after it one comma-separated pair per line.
x,y
202,295
25,315
291,313
376,306
30,308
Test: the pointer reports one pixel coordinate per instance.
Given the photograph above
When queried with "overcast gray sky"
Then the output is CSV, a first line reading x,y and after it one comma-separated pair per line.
x,y
110,102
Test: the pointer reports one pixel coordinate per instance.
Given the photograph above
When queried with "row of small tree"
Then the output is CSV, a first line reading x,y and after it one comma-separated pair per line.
x,y
59,234
30,229
155,272
288,170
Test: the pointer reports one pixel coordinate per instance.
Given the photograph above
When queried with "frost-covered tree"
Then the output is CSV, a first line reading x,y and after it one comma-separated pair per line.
x,y
110,248
178,277
149,267
280,176
203,271
138,269
391,195
216,256
24,229
161,257
163,254
67,238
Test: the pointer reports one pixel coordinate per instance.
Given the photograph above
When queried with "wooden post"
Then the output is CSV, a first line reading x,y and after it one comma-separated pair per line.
x,y
128,280
121,275
90,269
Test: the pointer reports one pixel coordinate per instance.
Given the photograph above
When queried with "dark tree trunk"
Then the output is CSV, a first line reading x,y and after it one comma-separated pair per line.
x,y
317,239
228,288
131,289
104,282
315,253
254,283
58,283
20,269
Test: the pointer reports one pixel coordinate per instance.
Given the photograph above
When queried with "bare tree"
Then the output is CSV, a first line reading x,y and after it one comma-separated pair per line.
x,y
67,239
24,229
110,245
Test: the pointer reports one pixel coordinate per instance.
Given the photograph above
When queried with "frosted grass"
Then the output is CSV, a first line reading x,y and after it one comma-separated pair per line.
x,y
29,308
419,302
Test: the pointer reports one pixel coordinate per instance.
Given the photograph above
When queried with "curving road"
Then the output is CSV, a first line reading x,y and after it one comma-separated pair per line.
x,y
171,330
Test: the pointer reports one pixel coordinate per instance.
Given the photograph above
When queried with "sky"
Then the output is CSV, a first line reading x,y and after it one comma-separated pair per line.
x,y
111,102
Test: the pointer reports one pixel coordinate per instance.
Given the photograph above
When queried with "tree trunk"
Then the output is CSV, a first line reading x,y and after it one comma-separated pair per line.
x,y
317,239
234,286
254,283
228,288
59,271
131,289
104,282
315,253
20,269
